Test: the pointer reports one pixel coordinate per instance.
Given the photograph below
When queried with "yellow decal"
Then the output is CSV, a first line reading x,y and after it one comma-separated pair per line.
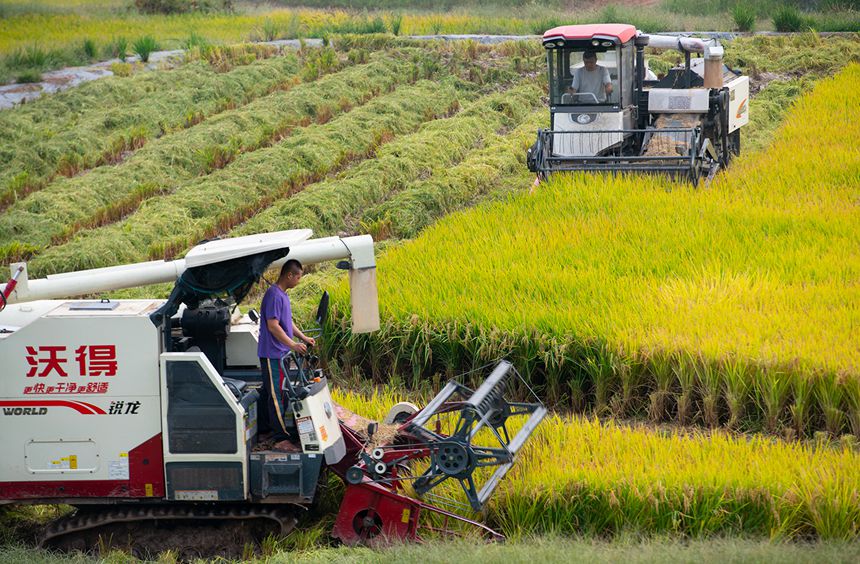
x,y
73,461
323,433
405,517
148,489
742,109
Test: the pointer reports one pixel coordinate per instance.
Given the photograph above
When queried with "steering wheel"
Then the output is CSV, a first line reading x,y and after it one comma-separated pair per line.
x,y
576,95
302,389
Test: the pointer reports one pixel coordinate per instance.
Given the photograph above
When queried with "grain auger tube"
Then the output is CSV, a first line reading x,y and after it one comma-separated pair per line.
x,y
610,113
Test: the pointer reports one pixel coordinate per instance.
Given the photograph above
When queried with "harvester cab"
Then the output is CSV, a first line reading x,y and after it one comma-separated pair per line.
x,y
609,112
143,412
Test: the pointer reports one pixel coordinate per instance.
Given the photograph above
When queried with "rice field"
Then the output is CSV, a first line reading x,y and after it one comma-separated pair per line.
x,y
733,305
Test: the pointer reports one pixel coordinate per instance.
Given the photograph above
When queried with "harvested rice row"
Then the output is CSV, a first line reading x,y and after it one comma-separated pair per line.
x,y
581,476
119,91
38,145
69,204
195,208
327,206
496,169
730,306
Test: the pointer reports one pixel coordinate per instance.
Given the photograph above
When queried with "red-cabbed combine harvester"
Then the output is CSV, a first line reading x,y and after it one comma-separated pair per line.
x,y
142,414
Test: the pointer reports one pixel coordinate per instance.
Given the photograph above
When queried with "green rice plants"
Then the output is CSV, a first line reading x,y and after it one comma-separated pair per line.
x,y
609,14
121,144
400,164
830,393
744,17
18,185
30,56
194,40
772,389
492,171
664,383
89,48
113,212
270,30
685,373
395,22
803,396
118,48
710,384
630,374
788,18
144,46
852,400
599,366
214,157
17,252
293,29
738,385
379,229
70,164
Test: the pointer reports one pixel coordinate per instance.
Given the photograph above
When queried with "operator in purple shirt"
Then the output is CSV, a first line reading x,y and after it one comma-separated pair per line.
x,y
279,335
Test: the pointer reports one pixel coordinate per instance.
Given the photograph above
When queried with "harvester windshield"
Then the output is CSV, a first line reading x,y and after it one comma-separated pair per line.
x,y
584,76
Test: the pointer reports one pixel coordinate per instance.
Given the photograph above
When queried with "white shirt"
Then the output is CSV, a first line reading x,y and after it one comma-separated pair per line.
x,y
591,81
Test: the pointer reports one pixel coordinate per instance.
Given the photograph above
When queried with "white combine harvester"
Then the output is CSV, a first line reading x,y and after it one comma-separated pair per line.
x,y
143,413
686,124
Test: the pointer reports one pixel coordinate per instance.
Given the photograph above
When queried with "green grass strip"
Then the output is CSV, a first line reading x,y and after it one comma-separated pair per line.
x,y
327,206
77,133
71,203
196,209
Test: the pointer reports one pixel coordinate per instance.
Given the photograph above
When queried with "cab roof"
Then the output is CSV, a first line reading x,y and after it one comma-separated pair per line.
x,y
620,32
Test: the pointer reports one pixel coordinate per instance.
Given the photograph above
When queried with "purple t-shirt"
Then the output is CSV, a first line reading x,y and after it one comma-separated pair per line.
x,y
276,305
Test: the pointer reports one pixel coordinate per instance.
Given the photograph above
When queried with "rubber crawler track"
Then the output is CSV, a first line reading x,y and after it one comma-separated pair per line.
x,y
180,528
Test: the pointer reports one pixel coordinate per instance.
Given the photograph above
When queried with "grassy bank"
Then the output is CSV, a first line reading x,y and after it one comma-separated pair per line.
x,y
548,549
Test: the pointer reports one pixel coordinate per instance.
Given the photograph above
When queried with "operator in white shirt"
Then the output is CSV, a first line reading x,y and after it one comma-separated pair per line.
x,y
591,78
